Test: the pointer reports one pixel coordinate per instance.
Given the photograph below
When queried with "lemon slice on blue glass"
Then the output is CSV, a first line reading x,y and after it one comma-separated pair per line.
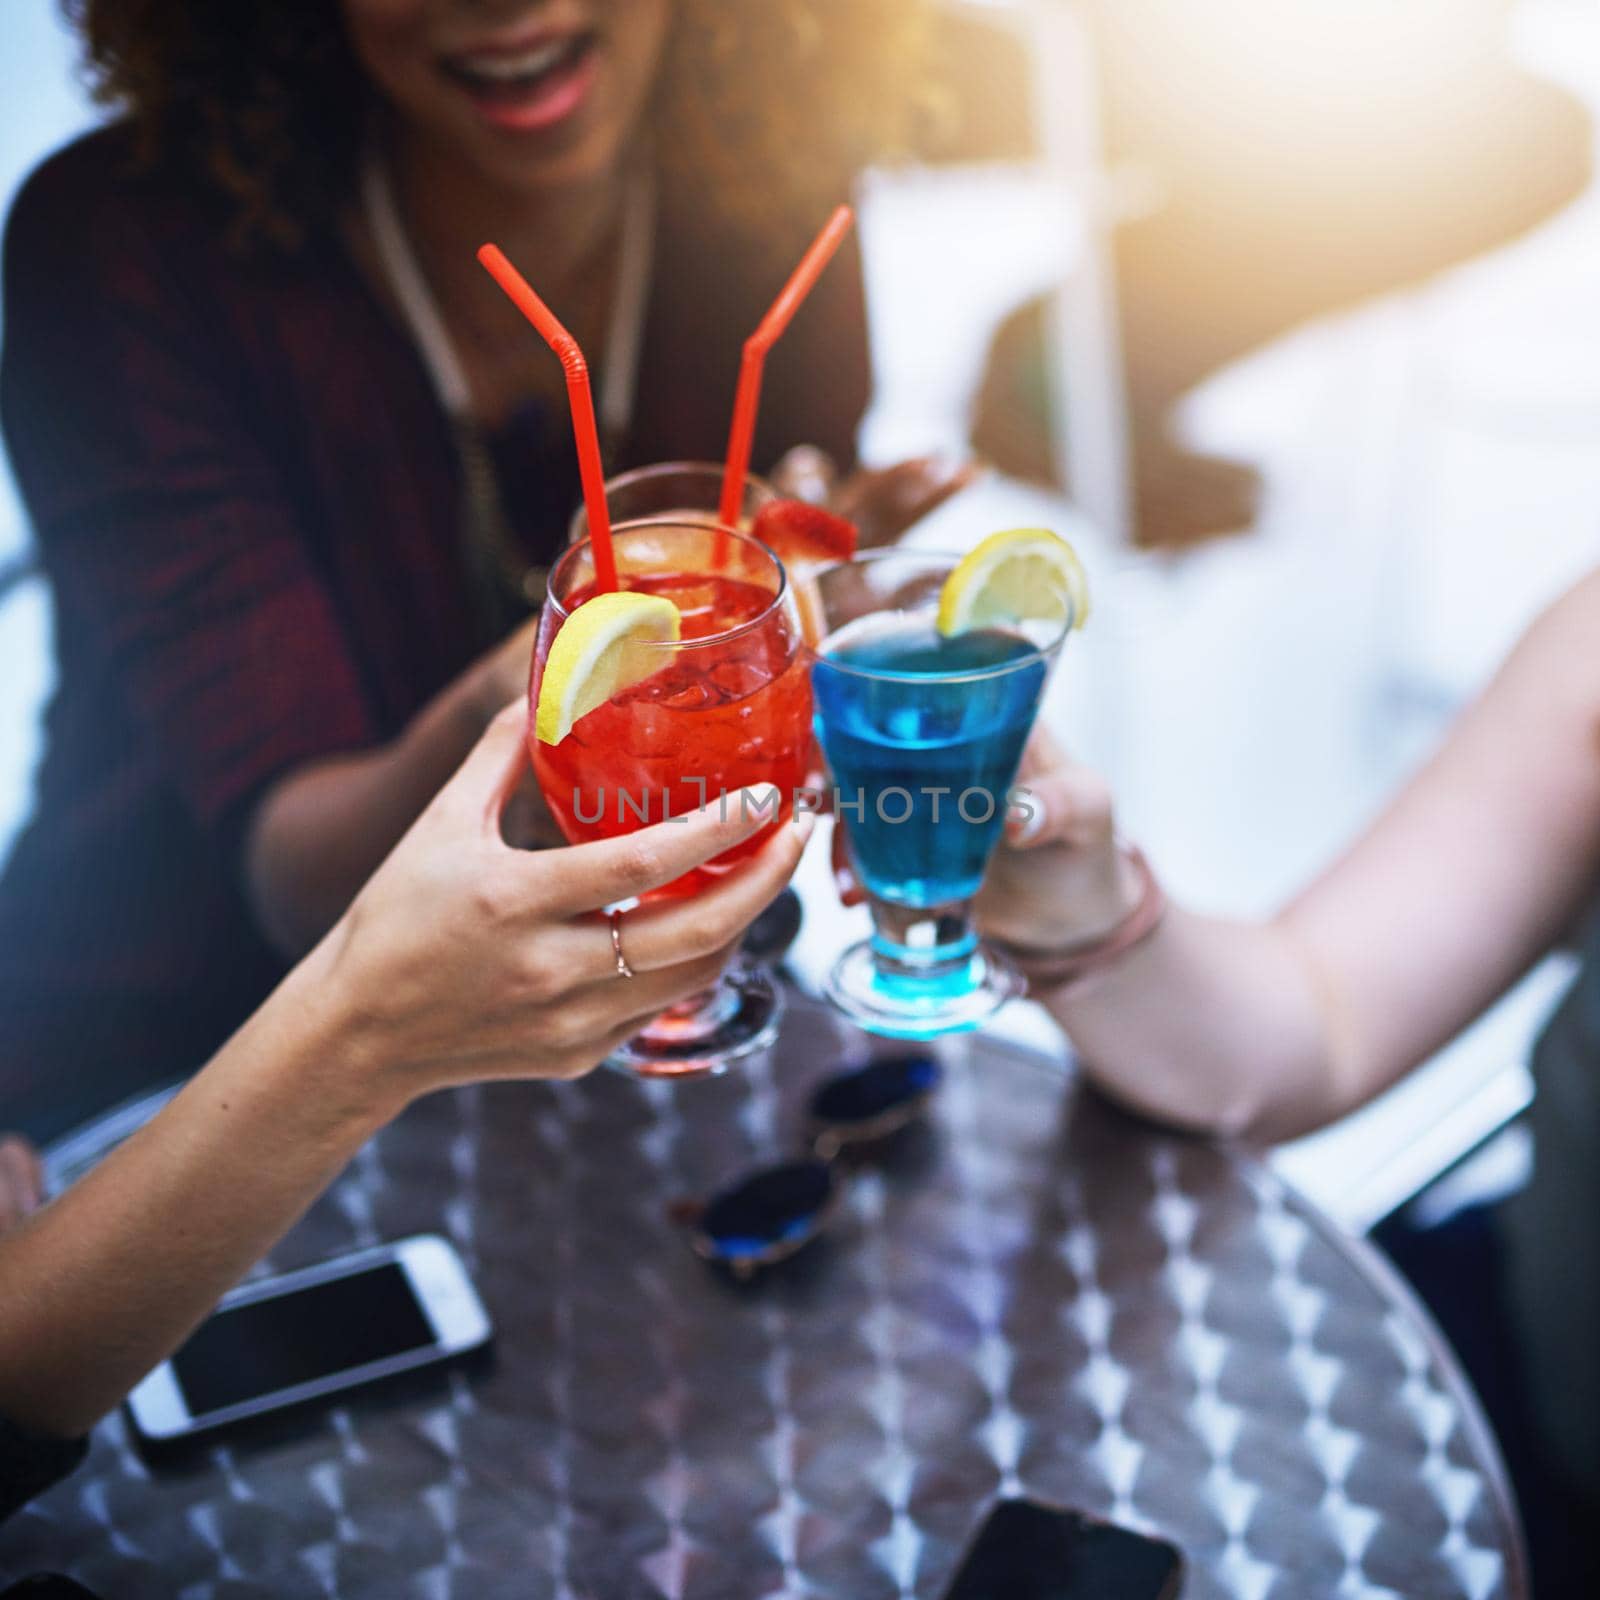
x,y
1023,575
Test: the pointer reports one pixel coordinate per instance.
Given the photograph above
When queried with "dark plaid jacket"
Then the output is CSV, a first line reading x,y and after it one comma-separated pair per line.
x,y
247,501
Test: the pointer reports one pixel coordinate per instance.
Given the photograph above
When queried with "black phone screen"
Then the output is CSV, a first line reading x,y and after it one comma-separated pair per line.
x,y
245,1351
1028,1551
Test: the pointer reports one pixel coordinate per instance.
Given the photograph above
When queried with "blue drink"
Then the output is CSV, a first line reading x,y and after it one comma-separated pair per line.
x,y
923,736
922,755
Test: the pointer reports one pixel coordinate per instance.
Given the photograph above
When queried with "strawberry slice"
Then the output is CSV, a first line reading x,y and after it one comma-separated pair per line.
x,y
806,539
800,533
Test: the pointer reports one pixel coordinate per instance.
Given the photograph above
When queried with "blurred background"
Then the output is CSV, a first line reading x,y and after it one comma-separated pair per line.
x,y
1288,312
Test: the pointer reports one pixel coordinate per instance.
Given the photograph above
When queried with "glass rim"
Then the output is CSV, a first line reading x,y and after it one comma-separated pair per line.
x,y
662,469
705,529
578,523
1036,652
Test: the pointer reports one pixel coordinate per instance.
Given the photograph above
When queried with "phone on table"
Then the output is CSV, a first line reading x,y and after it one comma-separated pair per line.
x,y
311,1334
1026,1550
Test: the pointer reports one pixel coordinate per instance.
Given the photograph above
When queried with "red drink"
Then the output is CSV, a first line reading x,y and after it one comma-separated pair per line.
x,y
731,706
727,705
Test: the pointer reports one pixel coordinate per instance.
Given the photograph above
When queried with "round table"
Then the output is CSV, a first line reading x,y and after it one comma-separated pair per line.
x,y
1035,1295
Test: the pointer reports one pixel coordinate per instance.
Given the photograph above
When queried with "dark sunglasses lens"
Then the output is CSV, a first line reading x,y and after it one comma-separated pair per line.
x,y
874,1091
774,1210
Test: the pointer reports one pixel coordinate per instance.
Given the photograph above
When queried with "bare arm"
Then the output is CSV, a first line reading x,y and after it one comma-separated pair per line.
x,y
1471,874
320,832
109,1278
462,960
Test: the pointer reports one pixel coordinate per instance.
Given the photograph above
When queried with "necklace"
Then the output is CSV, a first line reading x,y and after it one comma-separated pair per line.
x,y
504,579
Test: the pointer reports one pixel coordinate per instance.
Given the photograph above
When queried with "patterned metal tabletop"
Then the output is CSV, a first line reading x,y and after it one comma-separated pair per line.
x,y
1035,1295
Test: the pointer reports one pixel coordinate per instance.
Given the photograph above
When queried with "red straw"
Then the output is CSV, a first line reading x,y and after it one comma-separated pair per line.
x,y
767,334
581,400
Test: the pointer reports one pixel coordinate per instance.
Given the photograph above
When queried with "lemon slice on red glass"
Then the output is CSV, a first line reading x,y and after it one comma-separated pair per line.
x,y
1023,575
608,644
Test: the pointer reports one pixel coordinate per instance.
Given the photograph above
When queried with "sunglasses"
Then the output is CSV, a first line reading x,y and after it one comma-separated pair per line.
x,y
774,1212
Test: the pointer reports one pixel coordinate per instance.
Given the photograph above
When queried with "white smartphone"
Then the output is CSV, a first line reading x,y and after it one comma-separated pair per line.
x,y
313,1333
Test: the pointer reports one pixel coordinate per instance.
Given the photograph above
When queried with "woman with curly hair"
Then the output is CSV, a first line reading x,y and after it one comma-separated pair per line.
x,y
294,464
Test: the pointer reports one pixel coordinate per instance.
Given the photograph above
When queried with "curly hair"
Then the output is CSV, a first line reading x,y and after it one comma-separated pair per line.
x,y
764,107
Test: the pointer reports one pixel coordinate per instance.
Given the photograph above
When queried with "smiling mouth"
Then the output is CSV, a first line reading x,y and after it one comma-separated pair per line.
x,y
513,80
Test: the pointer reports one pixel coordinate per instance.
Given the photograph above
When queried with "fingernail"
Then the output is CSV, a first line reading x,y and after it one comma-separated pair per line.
x,y
954,469
1026,828
760,800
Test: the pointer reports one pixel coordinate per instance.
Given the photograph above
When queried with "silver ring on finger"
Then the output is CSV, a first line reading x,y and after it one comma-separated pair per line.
x,y
623,969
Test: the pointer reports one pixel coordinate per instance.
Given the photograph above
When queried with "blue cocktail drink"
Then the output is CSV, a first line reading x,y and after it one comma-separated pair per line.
x,y
923,752
923,735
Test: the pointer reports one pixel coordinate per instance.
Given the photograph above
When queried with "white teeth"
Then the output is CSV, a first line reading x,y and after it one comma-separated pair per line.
x,y
505,69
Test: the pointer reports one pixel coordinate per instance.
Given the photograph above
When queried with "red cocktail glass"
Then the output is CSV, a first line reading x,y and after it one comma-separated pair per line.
x,y
728,707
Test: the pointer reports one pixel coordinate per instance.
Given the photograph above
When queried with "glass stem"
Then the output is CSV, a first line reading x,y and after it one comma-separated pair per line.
x,y
928,942
698,1017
